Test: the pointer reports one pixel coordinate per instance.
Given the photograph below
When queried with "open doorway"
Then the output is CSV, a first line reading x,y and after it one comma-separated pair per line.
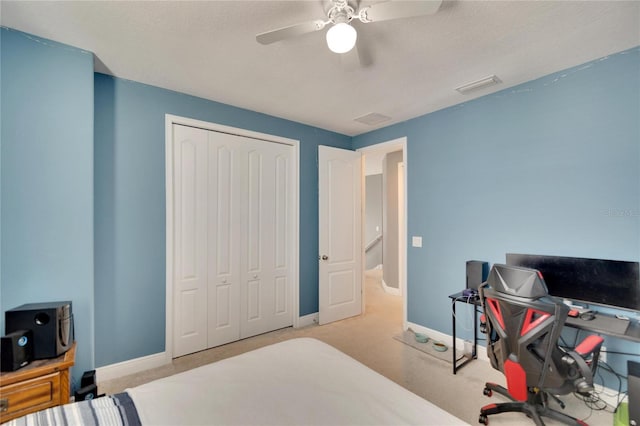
x,y
384,219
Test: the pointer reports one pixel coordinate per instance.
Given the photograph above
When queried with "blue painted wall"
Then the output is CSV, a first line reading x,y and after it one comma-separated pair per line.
x,y
551,167
50,147
130,207
548,167
47,180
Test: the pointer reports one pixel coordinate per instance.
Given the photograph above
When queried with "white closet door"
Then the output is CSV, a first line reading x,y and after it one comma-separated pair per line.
x,y
233,238
267,239
225,219
190,257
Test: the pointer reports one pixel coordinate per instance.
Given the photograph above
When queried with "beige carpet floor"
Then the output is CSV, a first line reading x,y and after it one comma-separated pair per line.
x,y
444,353
369,338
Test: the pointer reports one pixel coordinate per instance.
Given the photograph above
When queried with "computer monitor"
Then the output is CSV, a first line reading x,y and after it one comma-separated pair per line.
x,y
612,283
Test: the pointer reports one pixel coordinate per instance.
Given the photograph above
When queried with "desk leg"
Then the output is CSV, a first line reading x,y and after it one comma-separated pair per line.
x,y
453,324
474,354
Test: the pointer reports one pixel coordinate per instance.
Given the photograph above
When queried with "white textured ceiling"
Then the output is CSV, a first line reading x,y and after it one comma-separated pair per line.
x,y
208,49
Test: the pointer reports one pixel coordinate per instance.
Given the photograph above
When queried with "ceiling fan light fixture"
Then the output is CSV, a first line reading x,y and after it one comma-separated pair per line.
x,y
341,37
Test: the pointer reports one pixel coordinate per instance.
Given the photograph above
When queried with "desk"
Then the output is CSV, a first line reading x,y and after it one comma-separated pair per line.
x,y
602,324
606,324
475,301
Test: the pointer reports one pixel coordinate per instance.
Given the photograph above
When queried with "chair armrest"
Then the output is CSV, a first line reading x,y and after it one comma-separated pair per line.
x,y
579,358
589,345
582,374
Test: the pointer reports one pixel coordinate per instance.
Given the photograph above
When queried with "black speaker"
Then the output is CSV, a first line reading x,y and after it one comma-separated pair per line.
x,y
633,391
51,324
477,273
16,350
88,387
86,393
88,378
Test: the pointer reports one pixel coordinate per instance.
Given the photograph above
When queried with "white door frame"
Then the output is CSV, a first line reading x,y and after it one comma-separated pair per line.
x,y
170,120
394,145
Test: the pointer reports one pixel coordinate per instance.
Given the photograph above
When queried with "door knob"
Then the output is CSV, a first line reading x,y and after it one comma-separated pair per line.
x,y
324,257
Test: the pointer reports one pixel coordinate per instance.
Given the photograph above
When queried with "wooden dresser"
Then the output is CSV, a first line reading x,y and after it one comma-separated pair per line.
x,y
42,384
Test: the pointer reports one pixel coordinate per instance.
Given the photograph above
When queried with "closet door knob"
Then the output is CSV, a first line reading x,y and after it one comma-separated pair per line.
x,y
324,257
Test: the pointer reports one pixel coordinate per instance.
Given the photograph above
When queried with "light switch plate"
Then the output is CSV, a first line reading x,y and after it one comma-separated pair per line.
x,y
416,241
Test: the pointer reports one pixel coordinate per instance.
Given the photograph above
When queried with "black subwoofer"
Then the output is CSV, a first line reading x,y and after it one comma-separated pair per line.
x,y
50,322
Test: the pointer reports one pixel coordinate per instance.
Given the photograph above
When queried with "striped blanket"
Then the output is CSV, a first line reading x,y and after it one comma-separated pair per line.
x,y
113,410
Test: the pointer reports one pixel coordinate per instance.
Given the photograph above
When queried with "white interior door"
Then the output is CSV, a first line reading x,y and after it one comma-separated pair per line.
x,y
190,256
266,266
402,239
340,234
225,226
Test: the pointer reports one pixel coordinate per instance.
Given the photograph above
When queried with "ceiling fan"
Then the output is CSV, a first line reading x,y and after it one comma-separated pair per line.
x,y
341,37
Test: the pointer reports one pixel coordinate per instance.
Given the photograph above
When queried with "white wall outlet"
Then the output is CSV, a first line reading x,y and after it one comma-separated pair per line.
x,y
416,241
603,354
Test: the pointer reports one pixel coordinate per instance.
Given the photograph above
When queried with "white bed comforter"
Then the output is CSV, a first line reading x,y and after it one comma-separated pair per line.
x,y
296,382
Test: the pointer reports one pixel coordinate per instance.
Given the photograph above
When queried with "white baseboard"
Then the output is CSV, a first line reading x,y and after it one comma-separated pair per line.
x,y
607,395
311,319
390,290
132,366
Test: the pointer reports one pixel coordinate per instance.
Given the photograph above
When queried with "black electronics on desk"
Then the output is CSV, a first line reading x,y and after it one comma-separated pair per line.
x,y
51,324
613,283
477,273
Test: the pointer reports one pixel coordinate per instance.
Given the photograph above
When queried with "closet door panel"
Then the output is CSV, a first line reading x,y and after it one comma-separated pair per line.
x,y
265,269
282,238
254,272
222,235
190,259
281,201
255,209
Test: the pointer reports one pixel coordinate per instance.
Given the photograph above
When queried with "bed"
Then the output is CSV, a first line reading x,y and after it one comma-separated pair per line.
x,y
296,382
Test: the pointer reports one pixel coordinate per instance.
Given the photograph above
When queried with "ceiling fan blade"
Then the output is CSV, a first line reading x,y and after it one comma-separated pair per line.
x,y
290,31
350,61
357,58
400,9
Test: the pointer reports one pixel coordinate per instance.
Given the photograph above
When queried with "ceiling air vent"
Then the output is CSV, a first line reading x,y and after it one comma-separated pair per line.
x,y
372,119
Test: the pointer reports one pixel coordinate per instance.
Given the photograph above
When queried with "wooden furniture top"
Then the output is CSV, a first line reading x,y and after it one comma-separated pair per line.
x,y
40,367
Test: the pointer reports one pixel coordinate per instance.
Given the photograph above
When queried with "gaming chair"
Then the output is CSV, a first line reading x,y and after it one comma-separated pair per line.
x,y
523,325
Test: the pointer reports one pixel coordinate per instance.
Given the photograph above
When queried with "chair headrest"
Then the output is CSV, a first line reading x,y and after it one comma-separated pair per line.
x,y
517,281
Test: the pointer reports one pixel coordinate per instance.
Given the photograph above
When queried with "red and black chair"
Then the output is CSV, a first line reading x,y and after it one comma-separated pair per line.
x,y
523,326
